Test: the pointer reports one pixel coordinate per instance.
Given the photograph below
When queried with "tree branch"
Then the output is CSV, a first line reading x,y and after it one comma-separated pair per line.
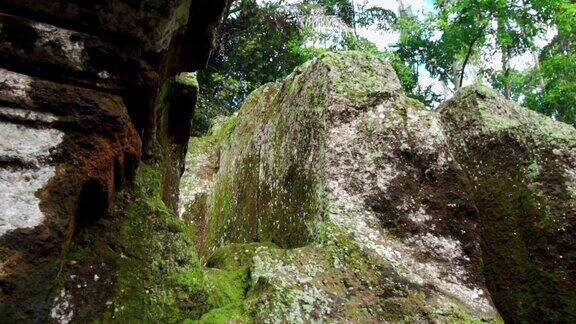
x,y
469,54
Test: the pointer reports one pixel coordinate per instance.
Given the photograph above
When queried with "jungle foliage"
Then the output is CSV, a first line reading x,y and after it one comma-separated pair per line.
x,y
263,41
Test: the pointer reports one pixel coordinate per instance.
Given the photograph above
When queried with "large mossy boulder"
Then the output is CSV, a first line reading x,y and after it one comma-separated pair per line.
x,y
369,207
357,187
522,166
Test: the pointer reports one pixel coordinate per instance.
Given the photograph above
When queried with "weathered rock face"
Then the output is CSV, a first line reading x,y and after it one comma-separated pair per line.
x,y
65,151
522,167
341,199
86,87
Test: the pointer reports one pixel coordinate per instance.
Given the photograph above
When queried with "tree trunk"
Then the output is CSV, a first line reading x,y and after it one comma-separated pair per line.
x,y
506,69
536,56
401,9
457,72
354,19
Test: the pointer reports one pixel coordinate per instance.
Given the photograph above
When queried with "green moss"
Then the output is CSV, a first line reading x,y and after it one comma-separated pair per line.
x,y
231,284
404,310
79,253
362,86
217,135
269,186
228,283
188,78
160,278
457,315
145,289
235,255
220,209
515,219
499,123
522,209
222,315
223,129
498,115
246,203
532,169
555,132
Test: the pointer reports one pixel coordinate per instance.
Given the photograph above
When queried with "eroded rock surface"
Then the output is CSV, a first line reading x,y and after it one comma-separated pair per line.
x,y
330,197
64,151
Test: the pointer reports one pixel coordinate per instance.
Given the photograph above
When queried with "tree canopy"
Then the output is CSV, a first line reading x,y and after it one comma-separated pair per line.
x,y
263,41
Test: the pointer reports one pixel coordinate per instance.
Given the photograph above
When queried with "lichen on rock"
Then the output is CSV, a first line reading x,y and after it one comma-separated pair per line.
x,y
416,215
328,197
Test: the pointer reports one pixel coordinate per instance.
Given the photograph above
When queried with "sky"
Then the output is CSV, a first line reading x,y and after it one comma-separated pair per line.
x,y
384,40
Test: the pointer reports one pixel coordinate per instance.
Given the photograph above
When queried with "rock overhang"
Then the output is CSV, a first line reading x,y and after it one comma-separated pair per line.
x,y
80,91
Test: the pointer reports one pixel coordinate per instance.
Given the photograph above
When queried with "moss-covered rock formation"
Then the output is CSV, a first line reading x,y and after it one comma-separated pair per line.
x,y
522,166
329,197
373,208
358,188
